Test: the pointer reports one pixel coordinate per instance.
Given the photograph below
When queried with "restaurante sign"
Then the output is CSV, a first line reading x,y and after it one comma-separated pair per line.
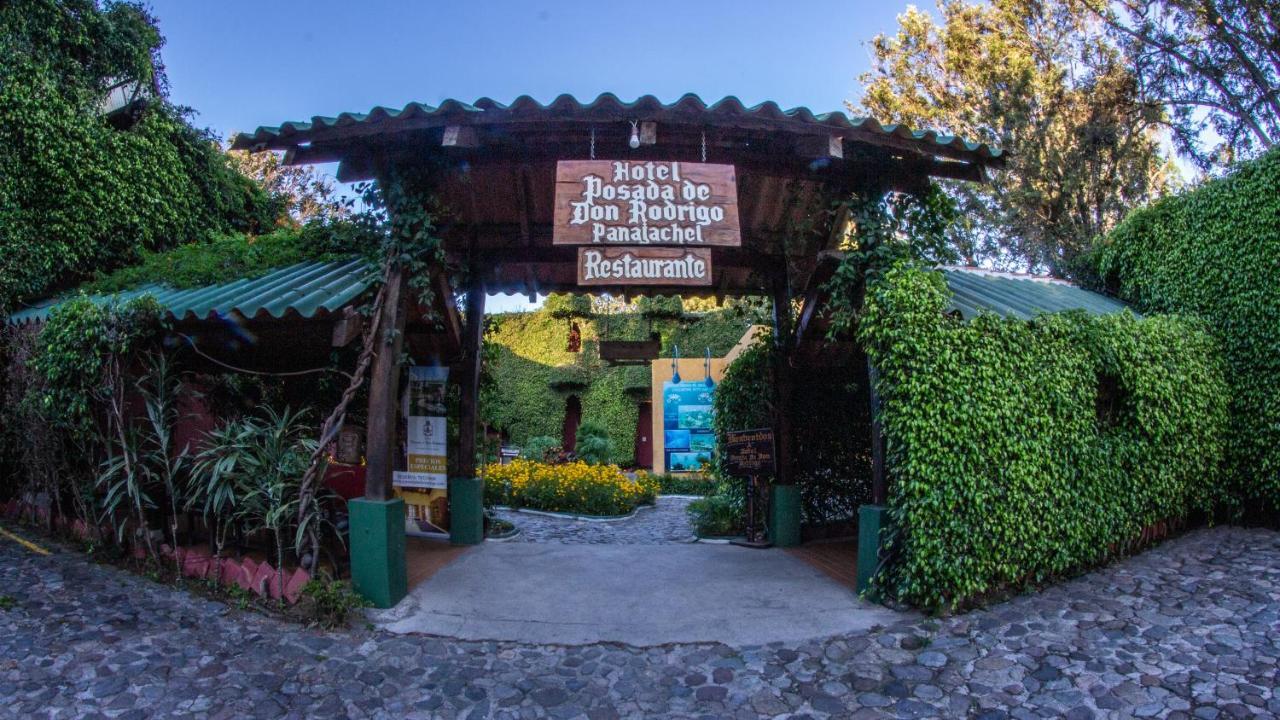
x,y
644,266
645,203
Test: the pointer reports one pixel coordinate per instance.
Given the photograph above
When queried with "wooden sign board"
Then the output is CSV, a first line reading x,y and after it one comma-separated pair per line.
x,y
624,202
688,267
748,453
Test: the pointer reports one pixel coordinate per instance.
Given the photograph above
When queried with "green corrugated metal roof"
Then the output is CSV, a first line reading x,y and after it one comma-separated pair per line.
x,y
975,291
606,106
303,289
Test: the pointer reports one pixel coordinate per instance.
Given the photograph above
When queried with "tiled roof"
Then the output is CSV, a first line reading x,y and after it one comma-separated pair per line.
x,y
605,107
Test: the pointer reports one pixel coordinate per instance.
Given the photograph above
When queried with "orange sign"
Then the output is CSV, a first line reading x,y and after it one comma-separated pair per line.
x,y
625,202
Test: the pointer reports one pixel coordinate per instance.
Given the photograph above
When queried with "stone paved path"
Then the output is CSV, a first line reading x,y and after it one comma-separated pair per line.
x,y
1189,629
666,522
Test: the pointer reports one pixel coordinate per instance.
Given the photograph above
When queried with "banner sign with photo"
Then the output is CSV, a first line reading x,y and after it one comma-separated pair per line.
x,y
424,486
427,437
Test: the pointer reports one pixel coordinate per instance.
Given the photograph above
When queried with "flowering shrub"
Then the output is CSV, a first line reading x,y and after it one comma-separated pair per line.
x,y
574,487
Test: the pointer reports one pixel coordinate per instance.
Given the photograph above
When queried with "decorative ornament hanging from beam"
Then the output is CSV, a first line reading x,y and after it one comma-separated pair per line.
x,y
616,202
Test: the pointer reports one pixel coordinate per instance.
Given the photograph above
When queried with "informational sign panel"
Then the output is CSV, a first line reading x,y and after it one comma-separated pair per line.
x,y
749,453
644,266
427,438
624,202
687,410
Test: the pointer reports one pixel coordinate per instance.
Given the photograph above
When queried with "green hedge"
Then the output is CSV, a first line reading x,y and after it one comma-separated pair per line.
x,y
1007,463
1213,252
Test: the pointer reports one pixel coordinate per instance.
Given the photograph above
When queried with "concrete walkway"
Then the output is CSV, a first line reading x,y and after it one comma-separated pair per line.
x,y
641,595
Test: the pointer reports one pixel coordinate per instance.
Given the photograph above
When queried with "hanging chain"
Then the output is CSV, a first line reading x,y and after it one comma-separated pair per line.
x,y
593,142
704,146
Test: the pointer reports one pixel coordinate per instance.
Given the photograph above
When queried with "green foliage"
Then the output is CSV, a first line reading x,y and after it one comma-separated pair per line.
x,y
1212,252
1023,450
542,448
236,255
78,195
684,484
76,345
719,514
594,446
329,603
563,306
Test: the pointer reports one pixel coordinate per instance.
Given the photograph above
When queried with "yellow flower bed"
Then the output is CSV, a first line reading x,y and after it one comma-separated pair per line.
x,y
574,487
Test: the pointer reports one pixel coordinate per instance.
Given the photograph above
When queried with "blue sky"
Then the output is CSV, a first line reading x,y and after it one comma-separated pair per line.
x,y
242,64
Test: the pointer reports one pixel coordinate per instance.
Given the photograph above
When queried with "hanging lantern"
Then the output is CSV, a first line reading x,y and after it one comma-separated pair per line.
x,y
575,338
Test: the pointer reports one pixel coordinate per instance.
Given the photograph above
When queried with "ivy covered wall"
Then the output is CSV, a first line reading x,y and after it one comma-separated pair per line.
x,y
1022,450
1213,252
529,373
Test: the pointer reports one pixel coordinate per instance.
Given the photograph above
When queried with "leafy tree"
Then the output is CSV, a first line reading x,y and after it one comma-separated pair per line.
x,y
1044,82
1215,64
303,192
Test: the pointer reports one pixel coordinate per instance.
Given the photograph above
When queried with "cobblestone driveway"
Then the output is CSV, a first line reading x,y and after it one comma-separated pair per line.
x,y
1191,628
666,522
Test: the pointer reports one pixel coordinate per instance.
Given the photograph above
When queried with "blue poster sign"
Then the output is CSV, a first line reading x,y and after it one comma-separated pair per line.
x,y
689,442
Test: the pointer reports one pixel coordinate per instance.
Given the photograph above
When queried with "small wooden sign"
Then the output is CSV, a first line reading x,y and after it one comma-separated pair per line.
x,y
625,202
748,453
647,266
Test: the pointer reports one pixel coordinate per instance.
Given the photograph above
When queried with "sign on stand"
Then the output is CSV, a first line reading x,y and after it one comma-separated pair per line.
x,y
748,454
424,486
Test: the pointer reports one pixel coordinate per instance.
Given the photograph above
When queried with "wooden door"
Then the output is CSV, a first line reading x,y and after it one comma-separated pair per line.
x,y
644,436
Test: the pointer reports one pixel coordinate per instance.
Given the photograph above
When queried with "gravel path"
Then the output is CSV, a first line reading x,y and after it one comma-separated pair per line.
x,y
666,522
1189,629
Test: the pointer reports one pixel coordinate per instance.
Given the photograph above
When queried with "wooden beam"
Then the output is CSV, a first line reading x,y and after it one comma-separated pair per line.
x,y
384,394
782,382
818,146
469,378
347,328
648,133
462,136
828,261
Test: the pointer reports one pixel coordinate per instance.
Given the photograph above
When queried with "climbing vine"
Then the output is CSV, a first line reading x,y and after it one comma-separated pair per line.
x,y
1018,451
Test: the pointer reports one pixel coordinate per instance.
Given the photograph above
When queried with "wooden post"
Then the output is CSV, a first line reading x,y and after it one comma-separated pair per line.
x,y
466,491
469,381
384,394
782,381
377,519
879,494
784,495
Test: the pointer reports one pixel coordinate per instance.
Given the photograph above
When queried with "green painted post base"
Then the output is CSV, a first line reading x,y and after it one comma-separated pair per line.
x,y
466,511
784,515
871,520
377,550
